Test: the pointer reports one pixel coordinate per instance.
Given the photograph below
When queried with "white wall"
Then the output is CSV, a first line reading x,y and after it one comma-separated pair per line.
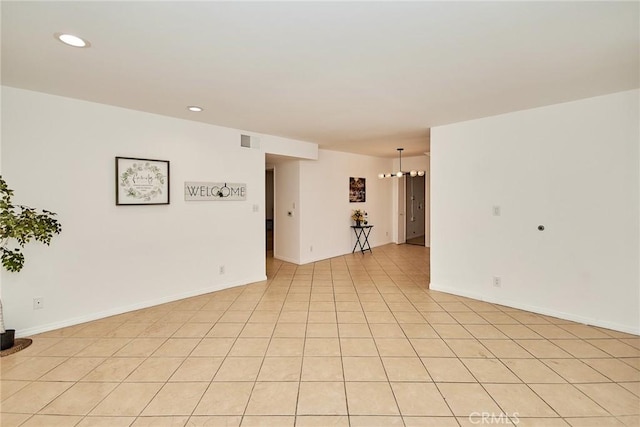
x,y
320,225
287,147
286,238
325,210
58,154
571,167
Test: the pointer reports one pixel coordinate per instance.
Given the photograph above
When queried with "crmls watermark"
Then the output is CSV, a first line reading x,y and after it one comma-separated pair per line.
x,y
484,418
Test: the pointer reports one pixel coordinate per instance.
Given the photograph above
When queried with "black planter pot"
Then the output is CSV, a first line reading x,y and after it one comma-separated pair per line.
x,y
7,339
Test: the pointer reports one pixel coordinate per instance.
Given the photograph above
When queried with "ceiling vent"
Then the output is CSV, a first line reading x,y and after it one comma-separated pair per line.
x,y
247,141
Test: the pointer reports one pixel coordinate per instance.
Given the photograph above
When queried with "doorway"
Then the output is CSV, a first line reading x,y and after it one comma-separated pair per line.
x,y
269,203
415,210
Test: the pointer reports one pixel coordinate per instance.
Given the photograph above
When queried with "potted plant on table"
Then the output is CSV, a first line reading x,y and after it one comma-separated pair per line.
x,y
19,225
359,216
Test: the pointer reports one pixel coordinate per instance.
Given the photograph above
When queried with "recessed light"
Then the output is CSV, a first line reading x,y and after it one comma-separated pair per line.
x,y
71,40
195,108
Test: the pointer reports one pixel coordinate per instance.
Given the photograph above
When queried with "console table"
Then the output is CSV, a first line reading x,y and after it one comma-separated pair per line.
x,y
362,237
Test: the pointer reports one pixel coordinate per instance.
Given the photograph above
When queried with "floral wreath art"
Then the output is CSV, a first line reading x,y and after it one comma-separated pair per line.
x,y
143,181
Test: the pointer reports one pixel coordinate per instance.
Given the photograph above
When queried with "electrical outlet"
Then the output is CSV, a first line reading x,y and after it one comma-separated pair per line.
x,y
496,211
221,269
38,303
497,282
311,248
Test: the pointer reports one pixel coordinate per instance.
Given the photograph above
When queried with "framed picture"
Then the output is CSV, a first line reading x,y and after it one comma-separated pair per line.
x,y
142,181
357,190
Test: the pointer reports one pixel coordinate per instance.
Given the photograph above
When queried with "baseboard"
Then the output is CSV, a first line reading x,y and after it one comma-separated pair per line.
x,y
125,309
539,310
286,259
325,257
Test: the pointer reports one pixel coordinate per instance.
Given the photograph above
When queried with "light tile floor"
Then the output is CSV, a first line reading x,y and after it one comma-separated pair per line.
x,y
357,340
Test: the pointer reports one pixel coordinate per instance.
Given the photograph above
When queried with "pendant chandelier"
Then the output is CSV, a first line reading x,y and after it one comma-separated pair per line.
x,y
400,173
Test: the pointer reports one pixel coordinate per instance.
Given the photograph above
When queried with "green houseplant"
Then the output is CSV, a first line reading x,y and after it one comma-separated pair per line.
x,y
18,226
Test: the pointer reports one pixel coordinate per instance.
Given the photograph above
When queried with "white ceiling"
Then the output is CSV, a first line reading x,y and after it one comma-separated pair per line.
x,y
363,77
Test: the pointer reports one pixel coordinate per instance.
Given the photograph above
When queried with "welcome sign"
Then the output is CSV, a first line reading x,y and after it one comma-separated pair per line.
x,y
213,191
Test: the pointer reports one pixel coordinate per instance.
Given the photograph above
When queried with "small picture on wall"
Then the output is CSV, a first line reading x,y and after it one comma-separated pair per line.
x,y
357,190
142,181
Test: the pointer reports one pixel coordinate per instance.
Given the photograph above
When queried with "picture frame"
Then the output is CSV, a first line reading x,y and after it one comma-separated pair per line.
x,y
357,190
142,181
